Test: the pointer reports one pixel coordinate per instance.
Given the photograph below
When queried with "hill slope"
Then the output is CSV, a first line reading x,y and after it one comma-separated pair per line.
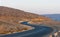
x,y
15,15
12,15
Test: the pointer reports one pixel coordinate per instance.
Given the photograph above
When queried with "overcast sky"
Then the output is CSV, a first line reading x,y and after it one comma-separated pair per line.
x,y
34,6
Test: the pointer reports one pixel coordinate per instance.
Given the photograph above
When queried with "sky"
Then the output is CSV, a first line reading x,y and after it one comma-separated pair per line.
x,y
34,6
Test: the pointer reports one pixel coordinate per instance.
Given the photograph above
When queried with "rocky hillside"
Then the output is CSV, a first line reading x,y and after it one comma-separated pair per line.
x,y
13,16
8,28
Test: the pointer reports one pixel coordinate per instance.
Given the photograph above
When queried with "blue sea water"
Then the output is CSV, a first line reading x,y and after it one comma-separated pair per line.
x,y
54,16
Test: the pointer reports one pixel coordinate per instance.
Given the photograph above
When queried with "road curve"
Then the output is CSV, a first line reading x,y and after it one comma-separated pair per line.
x,y
38,31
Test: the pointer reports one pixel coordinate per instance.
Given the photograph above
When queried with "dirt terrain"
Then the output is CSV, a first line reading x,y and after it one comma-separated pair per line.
x,y
15,15
7,28
9,17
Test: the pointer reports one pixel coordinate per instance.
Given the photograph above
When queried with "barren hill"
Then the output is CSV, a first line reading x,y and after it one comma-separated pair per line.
x,y
13,16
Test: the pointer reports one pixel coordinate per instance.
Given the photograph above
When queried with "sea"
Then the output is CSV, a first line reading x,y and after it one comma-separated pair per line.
x,y
53,16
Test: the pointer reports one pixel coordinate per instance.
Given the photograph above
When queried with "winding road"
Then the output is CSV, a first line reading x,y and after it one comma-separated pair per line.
x,y
38,31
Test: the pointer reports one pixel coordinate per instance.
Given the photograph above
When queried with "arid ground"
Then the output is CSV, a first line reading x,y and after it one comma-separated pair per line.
x,y
10,17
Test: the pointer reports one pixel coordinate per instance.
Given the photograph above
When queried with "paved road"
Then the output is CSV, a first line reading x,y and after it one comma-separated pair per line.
x,y
38,31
